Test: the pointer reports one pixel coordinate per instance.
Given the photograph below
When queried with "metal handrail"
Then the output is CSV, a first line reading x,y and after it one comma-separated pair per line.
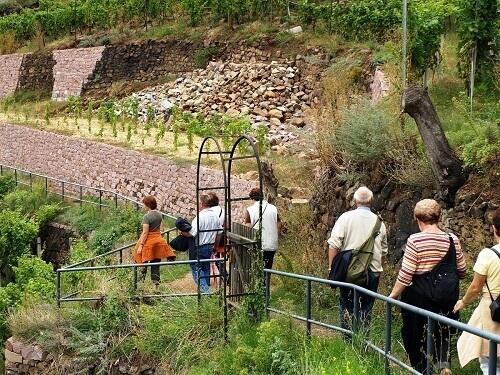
x,y
119,249
386,351
135,266
98,192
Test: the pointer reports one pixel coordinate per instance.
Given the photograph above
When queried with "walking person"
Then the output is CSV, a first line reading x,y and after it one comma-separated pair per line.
x,y
423,251
151,247
206,229
271,225
486,270
351,229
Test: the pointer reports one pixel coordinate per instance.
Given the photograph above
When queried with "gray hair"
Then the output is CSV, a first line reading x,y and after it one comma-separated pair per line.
x,y
363,195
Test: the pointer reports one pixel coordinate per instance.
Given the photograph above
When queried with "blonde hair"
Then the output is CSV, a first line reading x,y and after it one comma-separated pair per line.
x,y
428,211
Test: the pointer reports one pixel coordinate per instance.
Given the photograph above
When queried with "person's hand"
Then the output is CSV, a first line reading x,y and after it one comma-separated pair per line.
x,y
139,250
459,305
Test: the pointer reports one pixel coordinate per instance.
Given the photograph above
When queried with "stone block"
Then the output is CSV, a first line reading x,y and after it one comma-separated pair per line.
x,y
13,357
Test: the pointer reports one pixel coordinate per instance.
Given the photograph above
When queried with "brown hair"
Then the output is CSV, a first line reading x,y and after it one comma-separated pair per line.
x,y
205,200
495,221
214,199
428,211
150,202
254,194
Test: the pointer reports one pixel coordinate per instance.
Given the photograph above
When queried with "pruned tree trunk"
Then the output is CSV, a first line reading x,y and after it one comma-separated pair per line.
x,y
445,165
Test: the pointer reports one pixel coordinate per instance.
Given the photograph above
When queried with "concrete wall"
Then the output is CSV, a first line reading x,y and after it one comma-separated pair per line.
x,y
131,173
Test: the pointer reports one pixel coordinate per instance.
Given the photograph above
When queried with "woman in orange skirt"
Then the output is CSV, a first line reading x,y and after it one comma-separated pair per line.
x,y
151,247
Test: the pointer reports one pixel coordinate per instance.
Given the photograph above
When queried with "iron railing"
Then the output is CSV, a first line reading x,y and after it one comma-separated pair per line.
x,y
70,190
386,351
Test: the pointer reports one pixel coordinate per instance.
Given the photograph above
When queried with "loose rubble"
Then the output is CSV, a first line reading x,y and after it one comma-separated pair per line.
x,y
274,95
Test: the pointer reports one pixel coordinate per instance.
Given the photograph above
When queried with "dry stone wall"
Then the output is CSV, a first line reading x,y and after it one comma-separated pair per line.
x,y
142,62
36,72
9,77
72,70
131,173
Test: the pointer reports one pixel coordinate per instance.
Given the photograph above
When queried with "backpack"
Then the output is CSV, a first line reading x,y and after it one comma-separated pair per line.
x,y
441,285
352,266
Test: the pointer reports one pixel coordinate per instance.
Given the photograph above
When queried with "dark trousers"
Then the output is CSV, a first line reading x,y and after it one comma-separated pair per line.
x,y
415,329
155,271
268,259
346,306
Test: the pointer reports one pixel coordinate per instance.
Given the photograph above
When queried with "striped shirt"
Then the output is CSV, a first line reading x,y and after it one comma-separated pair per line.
x,y
423,251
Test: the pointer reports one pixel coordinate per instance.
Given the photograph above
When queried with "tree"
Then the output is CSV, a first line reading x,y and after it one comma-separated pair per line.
x,y
445,165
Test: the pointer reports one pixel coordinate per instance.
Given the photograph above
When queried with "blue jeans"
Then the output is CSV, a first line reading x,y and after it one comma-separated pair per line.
x,y
346,306
201,271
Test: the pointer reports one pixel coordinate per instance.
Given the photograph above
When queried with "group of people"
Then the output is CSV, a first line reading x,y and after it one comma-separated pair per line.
x,y
423,251
206,231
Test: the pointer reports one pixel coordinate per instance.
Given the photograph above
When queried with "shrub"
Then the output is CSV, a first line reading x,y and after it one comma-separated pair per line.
x,y
35,278
363,135
46,213
7,184
104,239
202,57
17,233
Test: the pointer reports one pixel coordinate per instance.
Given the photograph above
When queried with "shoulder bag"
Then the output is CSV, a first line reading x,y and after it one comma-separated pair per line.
x,y
495,303
441,285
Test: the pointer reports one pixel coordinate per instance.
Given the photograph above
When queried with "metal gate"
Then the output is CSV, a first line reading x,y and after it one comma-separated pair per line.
x,y
242,257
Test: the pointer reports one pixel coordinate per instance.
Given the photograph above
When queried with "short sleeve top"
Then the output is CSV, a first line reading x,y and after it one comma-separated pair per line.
x,y
488,264
153,218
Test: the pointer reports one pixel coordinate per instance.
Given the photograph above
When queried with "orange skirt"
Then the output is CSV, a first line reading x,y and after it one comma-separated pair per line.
x,y
155,247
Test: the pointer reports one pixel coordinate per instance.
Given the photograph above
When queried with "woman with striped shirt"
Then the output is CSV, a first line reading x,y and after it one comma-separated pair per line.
x,y
423,251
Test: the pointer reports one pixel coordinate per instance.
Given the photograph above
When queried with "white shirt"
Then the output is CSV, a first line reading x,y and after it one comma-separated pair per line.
x,y
269,224
219,211
208,221
352,228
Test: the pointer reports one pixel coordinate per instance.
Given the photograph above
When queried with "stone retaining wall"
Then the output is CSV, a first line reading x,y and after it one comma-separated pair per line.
x,y
9,76
36,72
144,61
72,70
131,173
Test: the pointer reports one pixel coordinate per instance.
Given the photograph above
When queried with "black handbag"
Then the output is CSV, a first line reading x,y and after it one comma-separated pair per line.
x,y
495,303
441,285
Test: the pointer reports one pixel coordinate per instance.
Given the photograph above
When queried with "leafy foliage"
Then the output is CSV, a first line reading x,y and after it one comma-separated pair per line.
x,y
478,24
34,282
17,233
7,184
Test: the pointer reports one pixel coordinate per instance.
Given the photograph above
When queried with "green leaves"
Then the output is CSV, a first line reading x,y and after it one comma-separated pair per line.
x,y
17,233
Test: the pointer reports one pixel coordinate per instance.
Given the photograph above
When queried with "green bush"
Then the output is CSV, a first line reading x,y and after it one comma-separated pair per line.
x,y
104,239
46,213
17,234
363,136
35,278
7,184
202,57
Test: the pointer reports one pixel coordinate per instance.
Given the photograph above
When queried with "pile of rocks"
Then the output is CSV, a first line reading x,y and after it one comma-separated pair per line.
x,y
274,95
20,357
